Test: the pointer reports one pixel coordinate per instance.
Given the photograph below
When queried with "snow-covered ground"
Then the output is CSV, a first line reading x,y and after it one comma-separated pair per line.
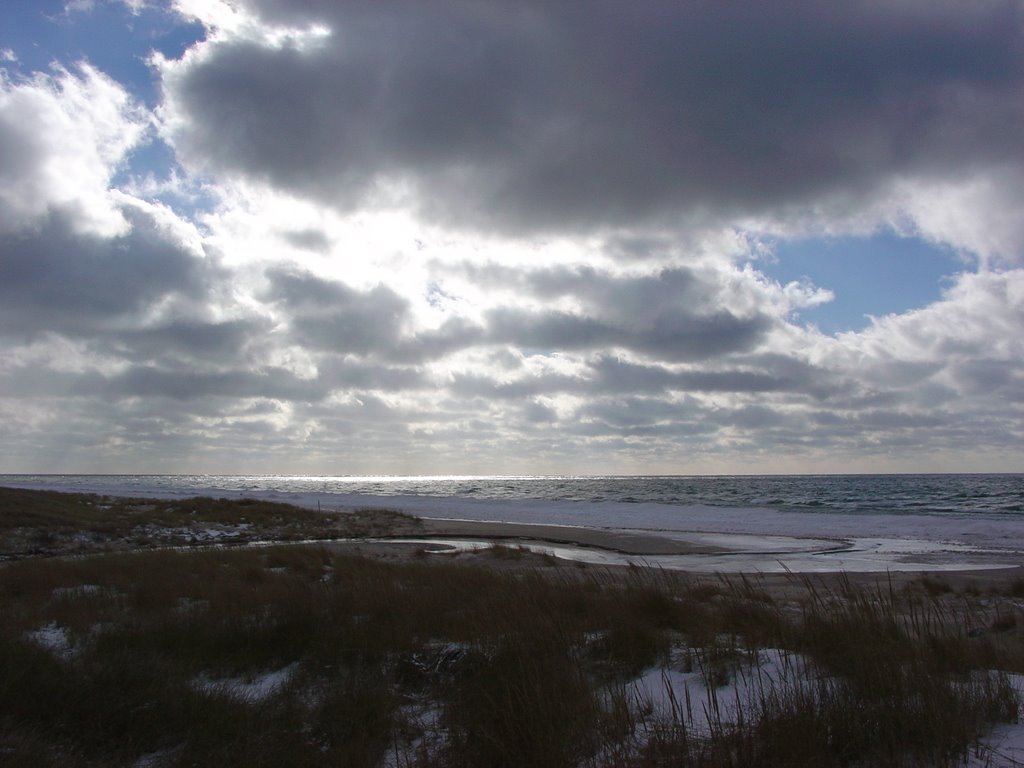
x,y
1002,747
702,703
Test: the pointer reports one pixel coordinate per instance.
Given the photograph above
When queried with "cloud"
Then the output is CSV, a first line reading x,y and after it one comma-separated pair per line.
x,y
672,314
546,383
973,213
533,117
308,239
663,315
62,136
53,278
978,315
192,339
274,383
672,335
969,343
332,316
515,236
756,375
152,383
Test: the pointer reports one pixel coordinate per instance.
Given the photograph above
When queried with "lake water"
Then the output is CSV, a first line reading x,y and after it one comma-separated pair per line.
x,y
940,495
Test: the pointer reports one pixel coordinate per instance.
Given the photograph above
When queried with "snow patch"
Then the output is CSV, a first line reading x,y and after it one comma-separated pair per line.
x,y
80,591
715,690
1003,746
53,638
254,688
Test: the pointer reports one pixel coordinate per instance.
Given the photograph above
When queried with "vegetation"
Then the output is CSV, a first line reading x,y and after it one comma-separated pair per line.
x,y
308,655
45,523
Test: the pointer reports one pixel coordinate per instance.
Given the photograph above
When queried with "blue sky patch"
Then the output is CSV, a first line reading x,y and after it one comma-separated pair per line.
x,y
876,275
108,36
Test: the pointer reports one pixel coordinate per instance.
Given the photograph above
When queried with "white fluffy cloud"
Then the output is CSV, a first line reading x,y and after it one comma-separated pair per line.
x,y
63,135
977,214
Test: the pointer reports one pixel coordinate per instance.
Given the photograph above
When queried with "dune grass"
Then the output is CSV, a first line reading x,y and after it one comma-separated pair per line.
x,y
166,656
47,523
305,655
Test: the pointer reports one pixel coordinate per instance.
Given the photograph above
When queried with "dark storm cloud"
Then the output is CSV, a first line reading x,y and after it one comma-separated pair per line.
x,y
995,379
55,279
149,382
659,316
275,383
564,115
897,420
190,338
673,315
308,240
433,344
758,417
616,375
633,412
329,315
346,373
210,393
606,375
20,150
537,413
626,296
671,335
476,385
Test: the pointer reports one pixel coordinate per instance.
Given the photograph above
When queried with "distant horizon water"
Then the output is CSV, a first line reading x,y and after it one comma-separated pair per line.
x,y
921,494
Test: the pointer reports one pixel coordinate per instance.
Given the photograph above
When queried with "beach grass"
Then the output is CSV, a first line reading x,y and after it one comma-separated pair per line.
x,y
45,523
307,655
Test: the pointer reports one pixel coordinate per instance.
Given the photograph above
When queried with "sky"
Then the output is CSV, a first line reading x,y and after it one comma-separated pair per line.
x,y
511,236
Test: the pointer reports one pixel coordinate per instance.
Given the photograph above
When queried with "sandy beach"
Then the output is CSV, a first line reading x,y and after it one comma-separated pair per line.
x,y
777,563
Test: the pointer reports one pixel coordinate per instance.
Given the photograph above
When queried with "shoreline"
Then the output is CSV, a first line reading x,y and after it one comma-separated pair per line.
x,y
720,541
623,541
732,553
697,553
